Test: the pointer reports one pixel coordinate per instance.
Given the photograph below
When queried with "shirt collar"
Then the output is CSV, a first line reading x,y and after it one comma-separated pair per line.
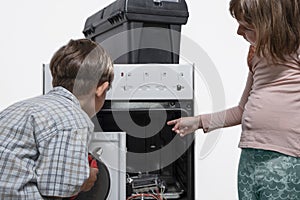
x,y
61,91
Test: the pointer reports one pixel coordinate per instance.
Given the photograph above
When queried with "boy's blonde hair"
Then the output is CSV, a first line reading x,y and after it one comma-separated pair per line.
x,y
80,66
276,22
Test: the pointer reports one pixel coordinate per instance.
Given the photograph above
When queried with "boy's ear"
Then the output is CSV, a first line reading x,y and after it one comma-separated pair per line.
x,y
102,88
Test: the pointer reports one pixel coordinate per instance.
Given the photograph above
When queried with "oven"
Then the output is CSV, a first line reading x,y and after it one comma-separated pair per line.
x,y
143,97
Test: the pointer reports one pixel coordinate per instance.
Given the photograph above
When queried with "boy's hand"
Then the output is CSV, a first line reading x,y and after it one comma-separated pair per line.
x,y
89,183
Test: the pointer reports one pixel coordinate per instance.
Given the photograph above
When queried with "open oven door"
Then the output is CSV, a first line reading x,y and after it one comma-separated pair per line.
x,y
109,149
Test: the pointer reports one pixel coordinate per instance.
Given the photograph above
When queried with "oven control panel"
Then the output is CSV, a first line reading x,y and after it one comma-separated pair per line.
x,y
152,81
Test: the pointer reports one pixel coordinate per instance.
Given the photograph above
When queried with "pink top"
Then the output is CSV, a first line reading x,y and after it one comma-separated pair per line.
x,y
269,109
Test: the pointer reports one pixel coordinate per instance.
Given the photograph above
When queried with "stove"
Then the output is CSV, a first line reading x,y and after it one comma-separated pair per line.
x,y
142,99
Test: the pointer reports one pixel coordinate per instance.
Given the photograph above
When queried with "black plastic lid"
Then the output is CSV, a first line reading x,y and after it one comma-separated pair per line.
x,y
120,11
176,8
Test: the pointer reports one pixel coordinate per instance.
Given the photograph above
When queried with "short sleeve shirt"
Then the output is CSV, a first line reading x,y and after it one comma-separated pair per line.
x,y
43,147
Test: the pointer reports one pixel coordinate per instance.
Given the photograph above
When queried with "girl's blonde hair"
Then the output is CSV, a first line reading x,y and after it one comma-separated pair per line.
x,y
276,22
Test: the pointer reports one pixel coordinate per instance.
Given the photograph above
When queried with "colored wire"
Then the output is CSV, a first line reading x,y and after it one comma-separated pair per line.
x,y
143,195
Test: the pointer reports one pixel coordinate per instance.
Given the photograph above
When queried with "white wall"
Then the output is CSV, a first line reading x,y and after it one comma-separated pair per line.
x,y
32,30
213,28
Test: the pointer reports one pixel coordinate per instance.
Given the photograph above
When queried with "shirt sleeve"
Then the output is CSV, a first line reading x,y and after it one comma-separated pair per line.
x,y
62,166
229,117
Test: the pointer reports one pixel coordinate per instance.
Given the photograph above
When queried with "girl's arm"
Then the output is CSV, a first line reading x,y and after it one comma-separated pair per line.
x,y
229,117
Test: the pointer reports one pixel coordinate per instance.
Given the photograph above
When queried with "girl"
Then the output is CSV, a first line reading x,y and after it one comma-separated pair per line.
x,y
269,110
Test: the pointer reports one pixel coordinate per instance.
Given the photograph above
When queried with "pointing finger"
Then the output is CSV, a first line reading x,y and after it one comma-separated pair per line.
x,y
172,122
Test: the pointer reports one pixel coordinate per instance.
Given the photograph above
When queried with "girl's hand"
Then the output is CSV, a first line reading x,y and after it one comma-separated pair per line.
x,y
186,125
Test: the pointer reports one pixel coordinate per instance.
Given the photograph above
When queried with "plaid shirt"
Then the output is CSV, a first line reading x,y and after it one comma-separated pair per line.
x,y
43,147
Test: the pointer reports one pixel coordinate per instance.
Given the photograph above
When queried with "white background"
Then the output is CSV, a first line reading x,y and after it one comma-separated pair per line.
x,y
32,30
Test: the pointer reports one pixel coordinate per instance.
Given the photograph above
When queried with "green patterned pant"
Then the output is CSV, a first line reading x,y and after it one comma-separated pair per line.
x,y
268,175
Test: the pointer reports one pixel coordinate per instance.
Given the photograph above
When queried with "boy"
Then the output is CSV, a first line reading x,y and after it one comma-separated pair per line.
x,y
43,140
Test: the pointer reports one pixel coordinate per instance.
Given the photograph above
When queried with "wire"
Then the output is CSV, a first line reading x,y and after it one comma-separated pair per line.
x,y
144,195
162,191
158,194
